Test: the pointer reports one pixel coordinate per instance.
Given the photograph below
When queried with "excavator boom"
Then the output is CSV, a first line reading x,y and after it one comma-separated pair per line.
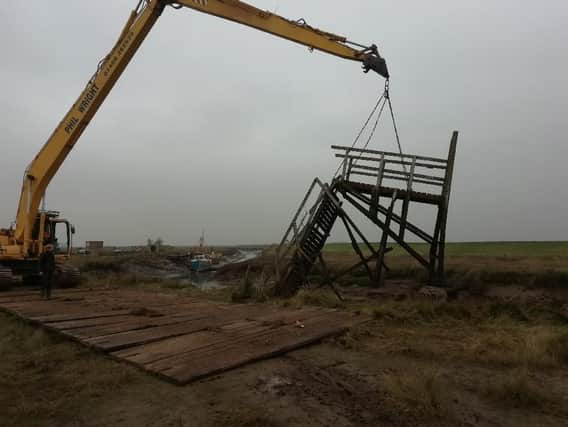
x,y
294,30
47,162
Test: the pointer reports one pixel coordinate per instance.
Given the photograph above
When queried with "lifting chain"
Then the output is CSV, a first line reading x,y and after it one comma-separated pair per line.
x,y
383,100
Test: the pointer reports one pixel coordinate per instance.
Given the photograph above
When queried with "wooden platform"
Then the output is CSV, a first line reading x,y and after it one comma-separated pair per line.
x,y
401,194
179,338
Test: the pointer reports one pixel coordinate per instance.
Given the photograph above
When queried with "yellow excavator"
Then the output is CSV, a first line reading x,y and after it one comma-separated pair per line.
x,y
24,241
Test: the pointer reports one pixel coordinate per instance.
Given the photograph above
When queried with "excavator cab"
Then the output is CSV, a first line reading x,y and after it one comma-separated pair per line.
x,y
50,229
62,231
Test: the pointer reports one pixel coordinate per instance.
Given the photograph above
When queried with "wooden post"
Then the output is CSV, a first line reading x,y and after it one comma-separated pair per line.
x,y
383,246
434,247
416,255
375,198
327,279
344,171
445,204
381,209
406,203
359,233
356,247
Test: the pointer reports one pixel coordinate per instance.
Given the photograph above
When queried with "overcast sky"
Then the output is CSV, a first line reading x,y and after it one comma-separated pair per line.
x,y
222,127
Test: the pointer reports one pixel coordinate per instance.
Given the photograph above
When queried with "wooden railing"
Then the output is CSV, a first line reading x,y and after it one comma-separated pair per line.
x,y
419,173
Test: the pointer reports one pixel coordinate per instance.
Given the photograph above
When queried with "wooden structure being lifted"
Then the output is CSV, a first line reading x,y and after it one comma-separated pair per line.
x,y
382,186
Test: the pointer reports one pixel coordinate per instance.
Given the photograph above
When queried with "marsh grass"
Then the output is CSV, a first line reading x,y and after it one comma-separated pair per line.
x,y
516,389
557,347
422,311
473,266
314,297
419,392
497,249
51,375
244,418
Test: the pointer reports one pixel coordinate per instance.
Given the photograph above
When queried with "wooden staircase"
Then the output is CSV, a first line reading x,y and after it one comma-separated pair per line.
x,y
308,243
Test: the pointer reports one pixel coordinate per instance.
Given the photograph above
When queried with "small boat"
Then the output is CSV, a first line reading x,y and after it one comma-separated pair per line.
x,y
201,262
203,258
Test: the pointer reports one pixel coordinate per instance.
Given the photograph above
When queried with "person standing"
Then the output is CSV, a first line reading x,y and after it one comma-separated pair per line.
x,y
47,268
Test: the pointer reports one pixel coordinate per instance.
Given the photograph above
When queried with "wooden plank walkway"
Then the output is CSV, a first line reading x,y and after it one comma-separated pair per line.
x,y
178,338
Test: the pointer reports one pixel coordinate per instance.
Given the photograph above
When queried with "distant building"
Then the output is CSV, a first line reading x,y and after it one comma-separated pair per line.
x,y
94,246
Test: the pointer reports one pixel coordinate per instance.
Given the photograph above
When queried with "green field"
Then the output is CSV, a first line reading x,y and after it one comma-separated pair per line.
x,y
494,249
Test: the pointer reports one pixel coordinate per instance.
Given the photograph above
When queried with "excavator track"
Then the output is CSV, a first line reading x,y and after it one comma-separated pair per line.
x,y
6,278
66,276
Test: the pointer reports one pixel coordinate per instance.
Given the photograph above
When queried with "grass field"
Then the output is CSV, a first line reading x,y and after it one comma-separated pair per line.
x,y
532,264
495,249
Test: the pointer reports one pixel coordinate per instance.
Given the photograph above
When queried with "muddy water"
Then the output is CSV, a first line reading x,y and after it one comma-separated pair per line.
x,y
240,256
206,279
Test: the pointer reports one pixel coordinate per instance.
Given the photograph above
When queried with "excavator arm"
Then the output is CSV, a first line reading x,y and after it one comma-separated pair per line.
x,y
47,162
297,31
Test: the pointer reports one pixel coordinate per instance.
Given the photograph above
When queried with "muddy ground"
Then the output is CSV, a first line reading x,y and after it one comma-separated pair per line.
x,y
495,359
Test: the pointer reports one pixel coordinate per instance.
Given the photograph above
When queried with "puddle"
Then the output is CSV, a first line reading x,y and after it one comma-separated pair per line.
x,y
204,280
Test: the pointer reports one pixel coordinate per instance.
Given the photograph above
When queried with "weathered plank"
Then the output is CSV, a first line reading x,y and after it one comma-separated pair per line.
x,y
224,331
242,349
125,339
158,315
178,338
